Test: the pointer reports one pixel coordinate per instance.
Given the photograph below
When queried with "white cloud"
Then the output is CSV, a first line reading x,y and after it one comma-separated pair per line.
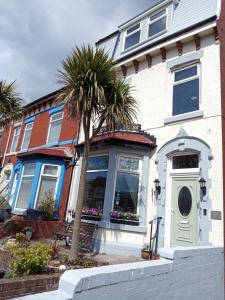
x,y
35,36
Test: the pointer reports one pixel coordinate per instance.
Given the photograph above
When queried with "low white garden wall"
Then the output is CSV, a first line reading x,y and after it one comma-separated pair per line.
x,y
181,273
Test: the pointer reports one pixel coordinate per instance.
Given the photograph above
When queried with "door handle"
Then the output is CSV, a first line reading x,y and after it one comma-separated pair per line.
x,y
172,211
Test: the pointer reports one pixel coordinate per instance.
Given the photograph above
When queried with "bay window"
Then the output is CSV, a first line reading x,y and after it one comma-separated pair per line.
x,y
95,185
47,183
127,185
24,193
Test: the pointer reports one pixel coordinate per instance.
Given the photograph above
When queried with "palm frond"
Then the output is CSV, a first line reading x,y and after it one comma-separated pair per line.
x,y
10,103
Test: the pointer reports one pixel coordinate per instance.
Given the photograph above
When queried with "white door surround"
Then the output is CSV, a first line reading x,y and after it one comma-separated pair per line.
x,y
182,145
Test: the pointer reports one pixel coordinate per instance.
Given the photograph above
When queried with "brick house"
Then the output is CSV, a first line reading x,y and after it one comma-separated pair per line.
x,y
36,155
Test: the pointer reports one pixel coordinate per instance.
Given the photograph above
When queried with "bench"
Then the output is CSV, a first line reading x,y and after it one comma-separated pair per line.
x,y
64,231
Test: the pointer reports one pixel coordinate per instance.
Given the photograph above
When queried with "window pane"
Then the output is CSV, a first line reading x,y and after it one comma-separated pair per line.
x,y
24,193
133,28
129,164
47,185
161,13
56,116
133,39
98,163
185,201
185,161
186,97
50,170
157,27
29,169
54,132
186,73
26,141
126,194
15,143
95,190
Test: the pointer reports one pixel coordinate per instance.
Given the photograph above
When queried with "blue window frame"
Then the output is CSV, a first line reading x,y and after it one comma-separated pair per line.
x,y
186,90
31,175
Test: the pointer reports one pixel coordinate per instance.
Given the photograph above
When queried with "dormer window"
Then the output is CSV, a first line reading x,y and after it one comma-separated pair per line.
x,y
157,23
132,36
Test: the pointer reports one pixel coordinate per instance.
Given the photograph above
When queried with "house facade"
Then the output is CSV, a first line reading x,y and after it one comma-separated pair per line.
x,y
36,156
171,166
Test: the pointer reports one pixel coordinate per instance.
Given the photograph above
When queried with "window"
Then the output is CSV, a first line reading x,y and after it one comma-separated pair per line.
x,y
185,161
132,36
25,186
27,136
96,182
127,185
186,90
15,139
55,128
48,182
157,23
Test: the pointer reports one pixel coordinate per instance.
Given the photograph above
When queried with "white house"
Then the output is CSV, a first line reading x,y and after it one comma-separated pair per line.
x,y
172,55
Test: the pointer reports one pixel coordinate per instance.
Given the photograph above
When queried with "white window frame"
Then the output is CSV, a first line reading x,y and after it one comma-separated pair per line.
x,y
26,130
15,135
174,83
50,123
139,172
129,34
21,179
157,19
42,174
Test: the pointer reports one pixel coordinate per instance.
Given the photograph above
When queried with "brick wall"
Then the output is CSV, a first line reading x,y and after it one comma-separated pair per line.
x,y
28,285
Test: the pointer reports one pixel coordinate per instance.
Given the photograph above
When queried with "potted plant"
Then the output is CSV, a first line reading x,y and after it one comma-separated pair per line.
x,y
145,252
124,218
28,231
46,206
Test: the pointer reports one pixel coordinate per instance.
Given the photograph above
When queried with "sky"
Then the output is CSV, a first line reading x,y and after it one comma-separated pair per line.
x,y
36,35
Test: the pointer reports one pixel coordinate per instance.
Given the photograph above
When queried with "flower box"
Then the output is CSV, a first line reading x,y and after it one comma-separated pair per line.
x,y
125,222
126,218
91,218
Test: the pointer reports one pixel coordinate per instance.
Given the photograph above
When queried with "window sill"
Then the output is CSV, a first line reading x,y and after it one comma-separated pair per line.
x,y
123,227
187,116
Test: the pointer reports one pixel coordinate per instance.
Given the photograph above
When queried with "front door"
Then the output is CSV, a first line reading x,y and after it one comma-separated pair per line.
x,y
184,208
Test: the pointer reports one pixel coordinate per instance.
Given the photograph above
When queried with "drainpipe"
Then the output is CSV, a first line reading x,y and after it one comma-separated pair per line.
x,y
73,164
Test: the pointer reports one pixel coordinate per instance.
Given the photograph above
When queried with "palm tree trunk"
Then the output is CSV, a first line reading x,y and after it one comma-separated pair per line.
x,y
73,254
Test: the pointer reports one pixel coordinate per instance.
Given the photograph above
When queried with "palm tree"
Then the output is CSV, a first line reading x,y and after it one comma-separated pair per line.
x,y
10,103
93,94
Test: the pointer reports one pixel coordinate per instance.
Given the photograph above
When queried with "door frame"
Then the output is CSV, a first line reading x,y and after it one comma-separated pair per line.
x,y
175,173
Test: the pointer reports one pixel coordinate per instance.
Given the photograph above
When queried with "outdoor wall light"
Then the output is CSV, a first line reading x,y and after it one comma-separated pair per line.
x,y
202,183
157,186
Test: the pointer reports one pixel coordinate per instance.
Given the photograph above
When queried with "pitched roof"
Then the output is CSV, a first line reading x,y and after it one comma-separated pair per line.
x,y
60,153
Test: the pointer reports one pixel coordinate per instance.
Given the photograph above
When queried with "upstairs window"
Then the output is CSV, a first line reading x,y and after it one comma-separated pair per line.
x,y
157,23
186,90
55,128
27,136
132,36
15,140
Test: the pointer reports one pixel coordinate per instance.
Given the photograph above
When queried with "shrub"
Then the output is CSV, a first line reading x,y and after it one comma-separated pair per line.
x,y
47,205
30,260
20,237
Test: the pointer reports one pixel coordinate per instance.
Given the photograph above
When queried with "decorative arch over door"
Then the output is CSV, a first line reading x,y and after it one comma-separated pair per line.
x,y
178,146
